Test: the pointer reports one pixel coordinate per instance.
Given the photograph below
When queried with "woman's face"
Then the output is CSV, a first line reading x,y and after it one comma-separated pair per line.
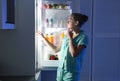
x,y
70,22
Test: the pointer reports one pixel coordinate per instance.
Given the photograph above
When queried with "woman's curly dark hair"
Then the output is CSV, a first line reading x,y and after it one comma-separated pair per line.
x,y
81,18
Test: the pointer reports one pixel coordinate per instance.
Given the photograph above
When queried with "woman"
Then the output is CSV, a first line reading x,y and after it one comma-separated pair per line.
x,y
71,49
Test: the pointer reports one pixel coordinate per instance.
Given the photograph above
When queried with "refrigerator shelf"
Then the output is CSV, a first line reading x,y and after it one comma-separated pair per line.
x,y
57,1
57,9
50,63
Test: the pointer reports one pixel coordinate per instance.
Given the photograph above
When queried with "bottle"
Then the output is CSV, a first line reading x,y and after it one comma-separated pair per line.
x,y
57,24
46,22
47,37
56,38
61,23
62,35
51,38
51,22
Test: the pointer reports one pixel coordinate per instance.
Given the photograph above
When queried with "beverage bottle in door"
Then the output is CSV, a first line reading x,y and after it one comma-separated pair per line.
x,y
62,35
46,22
47,37
51,38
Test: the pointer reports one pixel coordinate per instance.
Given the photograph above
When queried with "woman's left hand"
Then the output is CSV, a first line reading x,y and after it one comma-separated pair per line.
x,y
70,33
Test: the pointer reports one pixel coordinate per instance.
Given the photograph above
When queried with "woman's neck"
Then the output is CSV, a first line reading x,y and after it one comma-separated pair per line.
x,y
76,31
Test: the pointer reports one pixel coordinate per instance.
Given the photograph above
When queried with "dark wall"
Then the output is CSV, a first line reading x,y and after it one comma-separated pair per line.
x,y
17,51
106,40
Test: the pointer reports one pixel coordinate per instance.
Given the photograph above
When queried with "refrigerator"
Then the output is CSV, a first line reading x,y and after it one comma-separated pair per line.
x,y
50,19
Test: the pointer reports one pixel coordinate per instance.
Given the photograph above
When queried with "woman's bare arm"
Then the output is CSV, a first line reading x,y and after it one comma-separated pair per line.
x,y
49,44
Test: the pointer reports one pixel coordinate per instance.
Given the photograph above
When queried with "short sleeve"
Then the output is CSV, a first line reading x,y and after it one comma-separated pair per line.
x,y
83,40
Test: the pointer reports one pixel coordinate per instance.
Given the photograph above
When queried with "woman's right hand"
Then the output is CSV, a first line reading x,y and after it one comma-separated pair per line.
x,y
39,33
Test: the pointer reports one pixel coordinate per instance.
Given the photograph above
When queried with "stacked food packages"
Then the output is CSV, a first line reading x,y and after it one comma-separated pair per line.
x,y
55,6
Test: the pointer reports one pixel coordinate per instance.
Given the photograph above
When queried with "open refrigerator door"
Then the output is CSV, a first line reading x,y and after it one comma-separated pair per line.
x,y
50,18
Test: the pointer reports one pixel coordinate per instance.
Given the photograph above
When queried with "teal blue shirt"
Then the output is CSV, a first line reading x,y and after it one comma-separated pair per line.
x,y
67,62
